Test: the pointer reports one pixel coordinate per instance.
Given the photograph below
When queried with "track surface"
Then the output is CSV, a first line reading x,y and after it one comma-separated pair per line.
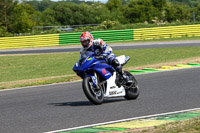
x,y
53,107
60,106
115,47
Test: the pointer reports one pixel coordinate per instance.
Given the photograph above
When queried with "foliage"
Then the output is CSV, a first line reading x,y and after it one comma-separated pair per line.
x,y
21,16
3,32
191,3
108,24
113,4
6,8
39,5
22,19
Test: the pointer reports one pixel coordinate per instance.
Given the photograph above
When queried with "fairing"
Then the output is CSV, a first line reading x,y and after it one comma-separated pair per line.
x,y
89,63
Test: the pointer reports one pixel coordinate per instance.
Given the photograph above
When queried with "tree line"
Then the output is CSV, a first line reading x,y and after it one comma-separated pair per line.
x,y
21,16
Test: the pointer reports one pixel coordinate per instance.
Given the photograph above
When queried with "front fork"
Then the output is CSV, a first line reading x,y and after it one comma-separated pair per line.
x,y
97,84
94,80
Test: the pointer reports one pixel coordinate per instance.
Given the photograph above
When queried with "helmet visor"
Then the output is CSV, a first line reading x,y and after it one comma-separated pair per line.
x,y
85,43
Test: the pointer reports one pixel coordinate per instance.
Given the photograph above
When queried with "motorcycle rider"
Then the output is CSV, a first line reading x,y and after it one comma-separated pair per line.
x,y
101,49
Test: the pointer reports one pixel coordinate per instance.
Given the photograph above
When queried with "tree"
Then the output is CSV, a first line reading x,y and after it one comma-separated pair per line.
x,y
159,4
113,4
183,12
22,19
48,18
6,6
3,31
170,10
39,5
140,11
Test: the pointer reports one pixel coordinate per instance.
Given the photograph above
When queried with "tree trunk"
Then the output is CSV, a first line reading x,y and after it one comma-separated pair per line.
x,y
5,15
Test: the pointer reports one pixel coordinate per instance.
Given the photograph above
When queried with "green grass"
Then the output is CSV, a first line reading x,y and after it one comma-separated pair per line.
x,y
20,67
140,57
183,126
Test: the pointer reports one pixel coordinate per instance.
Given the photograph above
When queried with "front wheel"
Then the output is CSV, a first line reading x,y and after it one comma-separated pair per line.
x,y
95,95
132,88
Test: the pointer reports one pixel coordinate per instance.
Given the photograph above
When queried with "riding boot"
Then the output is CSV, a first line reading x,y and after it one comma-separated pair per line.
x,y
123,79
118,68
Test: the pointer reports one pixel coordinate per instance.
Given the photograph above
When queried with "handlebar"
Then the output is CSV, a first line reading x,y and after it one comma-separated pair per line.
x,y
100,57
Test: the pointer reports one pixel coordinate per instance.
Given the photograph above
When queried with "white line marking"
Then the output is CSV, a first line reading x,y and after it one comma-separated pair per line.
x,y
123,120
39,86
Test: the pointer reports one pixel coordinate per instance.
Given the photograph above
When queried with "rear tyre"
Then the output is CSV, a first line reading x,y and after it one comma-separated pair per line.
x,y
132,89
94,95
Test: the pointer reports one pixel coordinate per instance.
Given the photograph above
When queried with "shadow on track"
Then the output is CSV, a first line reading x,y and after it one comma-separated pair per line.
x,y
77,103
85,103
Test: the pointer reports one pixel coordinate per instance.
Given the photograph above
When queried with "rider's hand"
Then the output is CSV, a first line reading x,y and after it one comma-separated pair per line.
x,y
100,57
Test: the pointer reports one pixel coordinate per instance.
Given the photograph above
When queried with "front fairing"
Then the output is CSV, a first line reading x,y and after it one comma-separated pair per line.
x,y
84,64
104,70
90,63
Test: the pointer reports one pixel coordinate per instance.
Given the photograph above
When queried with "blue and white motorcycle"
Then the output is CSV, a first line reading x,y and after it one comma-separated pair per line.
x,y
100,80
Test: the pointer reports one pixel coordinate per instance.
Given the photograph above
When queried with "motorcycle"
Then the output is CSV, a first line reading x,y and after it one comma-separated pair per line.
x,y
100,80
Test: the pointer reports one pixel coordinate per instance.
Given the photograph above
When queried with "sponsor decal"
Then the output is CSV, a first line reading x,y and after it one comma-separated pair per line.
x,y
94,79
112,92
104,71
89,59
107,74
119,92
112,87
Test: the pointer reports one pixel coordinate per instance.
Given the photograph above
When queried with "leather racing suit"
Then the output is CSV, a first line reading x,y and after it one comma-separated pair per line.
x,y
100,48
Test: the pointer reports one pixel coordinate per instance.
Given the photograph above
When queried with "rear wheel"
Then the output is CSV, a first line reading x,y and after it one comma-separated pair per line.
x,y
131,87
95,95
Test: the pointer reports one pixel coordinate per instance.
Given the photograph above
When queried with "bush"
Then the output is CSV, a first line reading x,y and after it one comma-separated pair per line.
x,y
3,32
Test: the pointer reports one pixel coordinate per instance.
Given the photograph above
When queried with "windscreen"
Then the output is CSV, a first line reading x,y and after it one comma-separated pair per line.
x,y
83,56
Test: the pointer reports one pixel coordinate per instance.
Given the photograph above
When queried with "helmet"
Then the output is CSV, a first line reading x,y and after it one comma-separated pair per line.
x,y
86,39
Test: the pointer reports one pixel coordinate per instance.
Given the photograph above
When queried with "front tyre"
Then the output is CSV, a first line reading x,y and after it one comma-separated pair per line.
x,y
95,95
132,88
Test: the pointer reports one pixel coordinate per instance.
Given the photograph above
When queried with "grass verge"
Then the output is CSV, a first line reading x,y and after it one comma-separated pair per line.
x,y
183,126
39,69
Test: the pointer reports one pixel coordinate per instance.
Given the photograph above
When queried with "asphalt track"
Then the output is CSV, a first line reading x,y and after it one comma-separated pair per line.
x,y
114,46
60,106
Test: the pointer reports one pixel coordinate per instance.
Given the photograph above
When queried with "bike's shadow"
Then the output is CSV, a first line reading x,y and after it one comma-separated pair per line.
x,y
85,103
